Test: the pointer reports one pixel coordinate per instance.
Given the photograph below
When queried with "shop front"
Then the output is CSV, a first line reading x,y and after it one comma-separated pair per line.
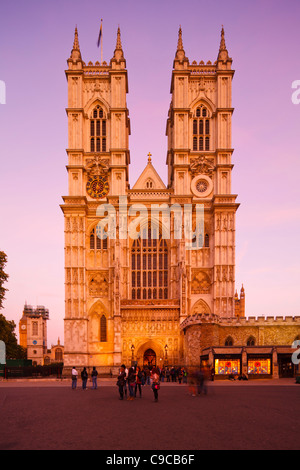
x,y
254,362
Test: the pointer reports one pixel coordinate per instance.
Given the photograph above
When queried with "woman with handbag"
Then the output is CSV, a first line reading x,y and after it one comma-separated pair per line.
x,y
131,383
155,383
139,377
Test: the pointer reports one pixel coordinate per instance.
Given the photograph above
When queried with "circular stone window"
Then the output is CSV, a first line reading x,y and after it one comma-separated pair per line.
x,y
202,186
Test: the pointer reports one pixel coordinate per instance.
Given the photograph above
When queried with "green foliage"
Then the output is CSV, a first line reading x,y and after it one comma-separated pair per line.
x,y
3,277
7,334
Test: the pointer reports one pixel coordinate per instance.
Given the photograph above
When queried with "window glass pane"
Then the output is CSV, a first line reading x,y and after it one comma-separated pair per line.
x,y
259,366
92,128
207,143
227,366
200,126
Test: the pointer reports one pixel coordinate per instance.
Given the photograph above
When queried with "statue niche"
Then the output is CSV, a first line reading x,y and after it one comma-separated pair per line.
x,y
98,285
200,283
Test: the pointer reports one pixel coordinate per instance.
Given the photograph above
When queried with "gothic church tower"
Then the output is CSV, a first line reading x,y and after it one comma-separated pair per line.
x,y
98,159
200,166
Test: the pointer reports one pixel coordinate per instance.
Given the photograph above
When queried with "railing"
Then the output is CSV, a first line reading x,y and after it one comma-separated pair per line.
x,y
8,372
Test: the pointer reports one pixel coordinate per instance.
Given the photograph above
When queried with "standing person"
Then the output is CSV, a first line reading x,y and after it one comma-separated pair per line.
x,y
121,382
155,383
74,378
94,378
138,384
212,373
131,383
84,377
148,376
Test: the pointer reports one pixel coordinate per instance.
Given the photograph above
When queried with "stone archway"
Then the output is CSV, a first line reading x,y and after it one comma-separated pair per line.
x,y
151,350
149,358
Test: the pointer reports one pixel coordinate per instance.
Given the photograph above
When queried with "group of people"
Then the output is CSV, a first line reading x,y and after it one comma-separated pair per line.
x,y
131,380
134,378
84,378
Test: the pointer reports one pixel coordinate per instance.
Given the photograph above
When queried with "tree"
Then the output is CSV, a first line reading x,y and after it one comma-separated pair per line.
x,y
7,334
7,328
3,277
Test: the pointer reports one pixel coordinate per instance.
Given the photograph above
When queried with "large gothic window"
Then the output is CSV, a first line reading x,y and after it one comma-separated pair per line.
x,y
97,243
201,129
98,130
149,267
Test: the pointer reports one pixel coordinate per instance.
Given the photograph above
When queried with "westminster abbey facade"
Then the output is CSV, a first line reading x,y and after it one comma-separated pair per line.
x,y
131,292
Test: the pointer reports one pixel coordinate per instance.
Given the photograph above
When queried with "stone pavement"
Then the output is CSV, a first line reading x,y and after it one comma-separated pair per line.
x,y
48,415
105,382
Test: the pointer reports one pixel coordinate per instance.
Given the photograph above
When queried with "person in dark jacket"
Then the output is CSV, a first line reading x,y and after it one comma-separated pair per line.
x,y
94,378
131,383
138,383
121,382
84,378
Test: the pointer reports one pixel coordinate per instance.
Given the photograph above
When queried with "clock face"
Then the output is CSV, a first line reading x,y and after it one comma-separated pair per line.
x,y
23,327
97,187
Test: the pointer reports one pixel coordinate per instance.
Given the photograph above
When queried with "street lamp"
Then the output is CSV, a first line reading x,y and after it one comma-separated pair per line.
x,y
166,351
132,354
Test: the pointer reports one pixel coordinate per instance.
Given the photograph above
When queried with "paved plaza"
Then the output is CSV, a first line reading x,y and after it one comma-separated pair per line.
x,y
49,415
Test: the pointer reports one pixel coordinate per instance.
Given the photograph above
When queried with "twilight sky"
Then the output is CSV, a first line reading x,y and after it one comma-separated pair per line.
x,y
36,39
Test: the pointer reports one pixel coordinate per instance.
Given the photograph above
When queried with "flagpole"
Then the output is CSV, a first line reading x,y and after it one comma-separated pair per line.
x,y
101,44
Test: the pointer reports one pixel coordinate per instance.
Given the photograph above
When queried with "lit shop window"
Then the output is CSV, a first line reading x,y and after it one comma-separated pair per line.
x,y
259,366
226,367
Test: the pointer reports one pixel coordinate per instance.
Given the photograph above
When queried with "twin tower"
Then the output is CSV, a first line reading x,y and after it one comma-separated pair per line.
x,y
127,298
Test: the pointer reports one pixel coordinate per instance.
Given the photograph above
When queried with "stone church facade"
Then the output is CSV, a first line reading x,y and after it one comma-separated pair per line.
x,y
138,288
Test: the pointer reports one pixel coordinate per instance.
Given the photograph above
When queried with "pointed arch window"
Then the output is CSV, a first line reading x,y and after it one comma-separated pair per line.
x,y
251,341
98,130
201,129
103,329
97,243
229,341
149,267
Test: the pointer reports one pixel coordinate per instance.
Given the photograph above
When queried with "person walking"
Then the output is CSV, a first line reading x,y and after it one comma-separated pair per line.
x,y
131,383
84,378
94,378
138,383
155,383
74,378
121,383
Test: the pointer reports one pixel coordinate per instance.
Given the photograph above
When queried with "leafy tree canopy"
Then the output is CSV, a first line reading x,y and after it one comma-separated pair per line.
x,y
3,277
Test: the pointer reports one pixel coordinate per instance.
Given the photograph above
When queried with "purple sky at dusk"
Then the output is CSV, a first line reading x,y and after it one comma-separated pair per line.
x,y
36,39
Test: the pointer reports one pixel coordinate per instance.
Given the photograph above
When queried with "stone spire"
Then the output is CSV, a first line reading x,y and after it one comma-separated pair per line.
x,y
118,54
180,54
76,54
223,53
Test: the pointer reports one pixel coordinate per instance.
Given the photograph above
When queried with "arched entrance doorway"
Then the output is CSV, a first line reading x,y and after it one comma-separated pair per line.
x,y
149,358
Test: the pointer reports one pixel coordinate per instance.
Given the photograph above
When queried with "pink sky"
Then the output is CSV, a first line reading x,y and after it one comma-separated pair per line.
x,y
262,38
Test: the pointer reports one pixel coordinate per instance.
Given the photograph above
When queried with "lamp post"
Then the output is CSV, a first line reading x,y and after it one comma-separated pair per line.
x,y
166,354
132,355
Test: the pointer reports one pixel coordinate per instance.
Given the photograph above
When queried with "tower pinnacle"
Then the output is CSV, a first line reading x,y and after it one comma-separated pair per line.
x,y
223,53
76,54
180,53
118,54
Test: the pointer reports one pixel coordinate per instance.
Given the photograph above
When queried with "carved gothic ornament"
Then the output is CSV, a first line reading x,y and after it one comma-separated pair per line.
x,y
97,166
98,285
200,283
202,186
202,165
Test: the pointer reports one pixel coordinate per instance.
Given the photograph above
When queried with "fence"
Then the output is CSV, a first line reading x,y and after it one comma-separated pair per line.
x,y
53,370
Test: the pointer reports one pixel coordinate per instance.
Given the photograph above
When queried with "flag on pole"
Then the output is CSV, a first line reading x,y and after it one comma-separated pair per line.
x,y
100,35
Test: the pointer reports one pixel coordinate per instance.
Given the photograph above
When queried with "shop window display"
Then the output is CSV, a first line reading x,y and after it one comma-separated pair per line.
x,y
226,367
259,366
